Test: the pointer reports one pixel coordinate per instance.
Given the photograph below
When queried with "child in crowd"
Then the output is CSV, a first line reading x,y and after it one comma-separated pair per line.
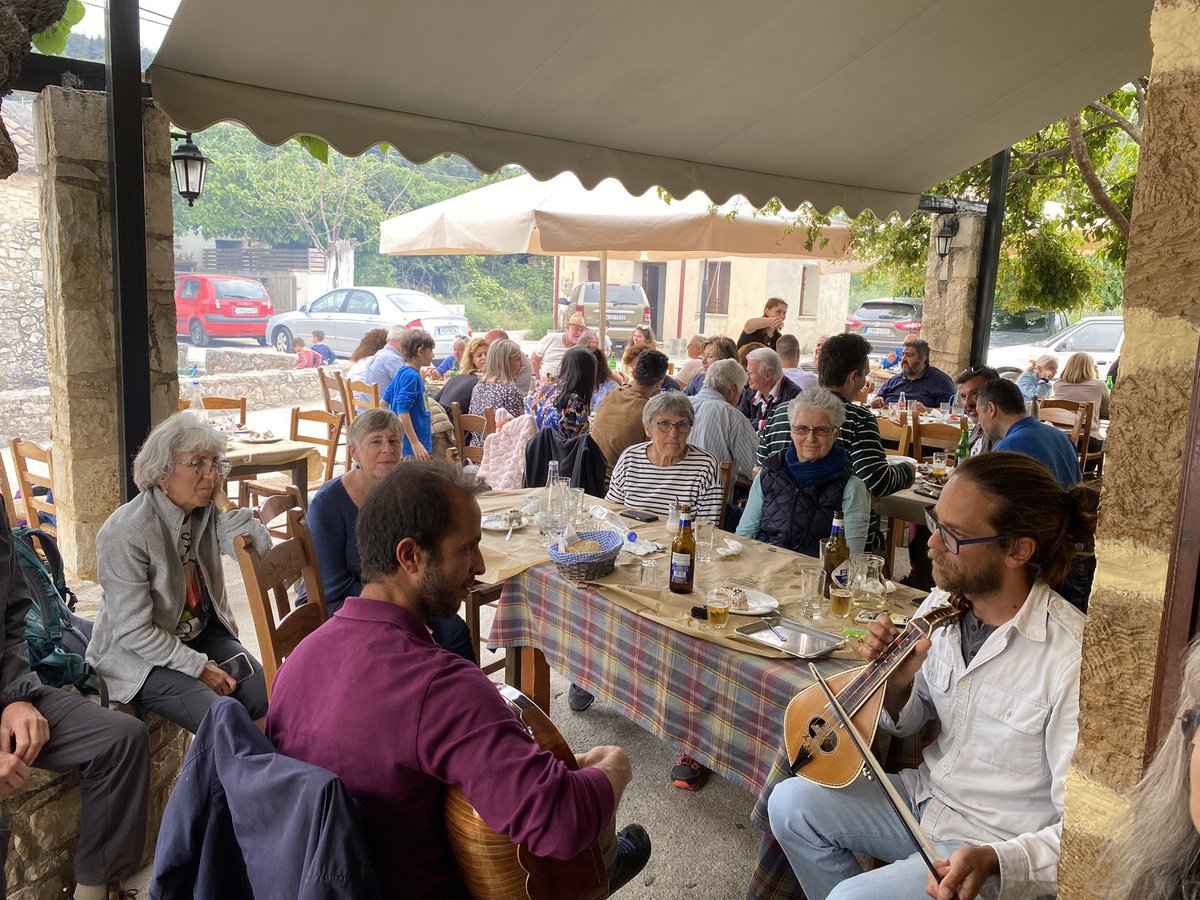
x,y
322,349
305,358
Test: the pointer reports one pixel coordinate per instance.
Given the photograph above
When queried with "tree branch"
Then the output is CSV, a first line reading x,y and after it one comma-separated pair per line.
x,y
1083,160
1128,127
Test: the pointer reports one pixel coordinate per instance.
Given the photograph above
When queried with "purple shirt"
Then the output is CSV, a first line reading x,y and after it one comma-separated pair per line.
x,y
370,697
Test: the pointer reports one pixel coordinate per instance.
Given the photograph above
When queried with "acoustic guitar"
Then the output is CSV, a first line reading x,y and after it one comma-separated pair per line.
x,y
494,868
816,742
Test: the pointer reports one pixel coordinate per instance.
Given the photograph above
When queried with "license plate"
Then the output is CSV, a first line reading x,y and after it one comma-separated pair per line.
x,y
245,310
880,331
614,318
447,329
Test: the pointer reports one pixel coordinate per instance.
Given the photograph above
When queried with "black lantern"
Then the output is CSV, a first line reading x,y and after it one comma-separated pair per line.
x,y
945,237
189,165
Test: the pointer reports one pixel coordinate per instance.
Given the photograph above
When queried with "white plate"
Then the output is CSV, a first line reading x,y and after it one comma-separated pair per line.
x,y
896,460
499,522
260,440
760,604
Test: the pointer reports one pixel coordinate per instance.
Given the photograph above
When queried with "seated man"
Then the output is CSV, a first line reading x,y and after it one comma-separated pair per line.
x,y
923,386
767,387
370,697
720,427
618,422
1001,411
1003,681
788,349
48,728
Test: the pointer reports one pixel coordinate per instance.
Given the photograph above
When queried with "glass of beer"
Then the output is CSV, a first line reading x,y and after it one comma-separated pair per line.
x,y
841,598
718,603
939,465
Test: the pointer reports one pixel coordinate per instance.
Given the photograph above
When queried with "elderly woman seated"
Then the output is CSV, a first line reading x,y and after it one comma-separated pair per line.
x,y
651,474
375,440
798,490
165,626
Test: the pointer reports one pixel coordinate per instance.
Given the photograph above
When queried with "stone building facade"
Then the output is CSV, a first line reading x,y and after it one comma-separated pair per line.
x,y
22,295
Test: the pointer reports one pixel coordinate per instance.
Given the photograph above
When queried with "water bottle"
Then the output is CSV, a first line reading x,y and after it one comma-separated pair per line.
x,y
901,402
196,407
610,518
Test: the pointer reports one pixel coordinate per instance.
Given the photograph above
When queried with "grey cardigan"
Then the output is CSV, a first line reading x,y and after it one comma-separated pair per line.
x,y
142,581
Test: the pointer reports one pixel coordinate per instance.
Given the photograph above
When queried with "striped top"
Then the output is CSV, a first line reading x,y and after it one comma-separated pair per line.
x,y
860,437
696,480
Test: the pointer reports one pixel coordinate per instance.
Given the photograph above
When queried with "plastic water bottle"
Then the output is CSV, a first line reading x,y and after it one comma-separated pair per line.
x,y
196,407
901,402
610,518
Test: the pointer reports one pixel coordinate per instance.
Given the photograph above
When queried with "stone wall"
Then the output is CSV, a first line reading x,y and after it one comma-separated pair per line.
x,y
22,299
1144,454
951,286
44,818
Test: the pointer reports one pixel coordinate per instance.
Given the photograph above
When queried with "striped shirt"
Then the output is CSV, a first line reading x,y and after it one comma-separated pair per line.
x,y
860,437
695,480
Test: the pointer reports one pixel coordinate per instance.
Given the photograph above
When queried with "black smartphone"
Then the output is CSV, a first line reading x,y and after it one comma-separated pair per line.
x,y
638,516
237,667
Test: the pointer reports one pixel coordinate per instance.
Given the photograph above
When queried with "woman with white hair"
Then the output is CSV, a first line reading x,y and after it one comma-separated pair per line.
x,y
796,493
649,475
1035,381
1156,855
165,625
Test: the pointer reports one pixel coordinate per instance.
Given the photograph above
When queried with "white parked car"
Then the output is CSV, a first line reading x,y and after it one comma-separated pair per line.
x,y
346,314
1100,336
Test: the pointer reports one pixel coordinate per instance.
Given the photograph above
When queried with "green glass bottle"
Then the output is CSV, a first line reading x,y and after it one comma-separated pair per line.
x,y
963,451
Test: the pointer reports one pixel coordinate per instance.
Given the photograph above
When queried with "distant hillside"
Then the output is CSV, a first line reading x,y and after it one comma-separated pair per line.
x,y
82,46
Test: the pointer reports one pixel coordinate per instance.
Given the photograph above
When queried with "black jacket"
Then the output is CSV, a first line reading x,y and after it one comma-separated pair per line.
x,y
797,518
787,390
579,458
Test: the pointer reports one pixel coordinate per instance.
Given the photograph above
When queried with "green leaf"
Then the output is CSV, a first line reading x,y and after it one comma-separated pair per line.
x,y
317,148
53,41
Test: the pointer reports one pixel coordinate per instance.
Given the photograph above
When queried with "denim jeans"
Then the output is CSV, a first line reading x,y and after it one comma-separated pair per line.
x,y
821,828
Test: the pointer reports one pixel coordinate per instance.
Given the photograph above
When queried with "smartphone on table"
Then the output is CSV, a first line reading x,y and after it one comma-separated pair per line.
x,y
638,516
237,667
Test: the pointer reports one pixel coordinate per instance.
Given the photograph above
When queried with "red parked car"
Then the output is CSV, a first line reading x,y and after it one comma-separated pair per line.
x,y
221,306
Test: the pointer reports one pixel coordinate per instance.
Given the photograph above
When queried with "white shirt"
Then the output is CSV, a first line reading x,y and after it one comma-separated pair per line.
x,y
802,378
723,431
996,775
550,350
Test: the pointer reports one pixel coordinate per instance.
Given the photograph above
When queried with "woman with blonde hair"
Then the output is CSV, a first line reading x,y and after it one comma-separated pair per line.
x,y
459,388
1077,381
1035,381
1156,856
497,385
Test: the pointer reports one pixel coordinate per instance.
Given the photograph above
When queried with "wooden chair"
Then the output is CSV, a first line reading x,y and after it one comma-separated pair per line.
x,y
10,508
897,437
478,597
1074,419
26,452
356,405
279,626
726,491
219,403
463,423
326,440
935,436
333,390
275,506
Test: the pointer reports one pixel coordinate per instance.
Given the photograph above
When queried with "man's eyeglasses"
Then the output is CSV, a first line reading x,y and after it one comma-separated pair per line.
x,y
678,427
203,467
1188,720
821,431
952,541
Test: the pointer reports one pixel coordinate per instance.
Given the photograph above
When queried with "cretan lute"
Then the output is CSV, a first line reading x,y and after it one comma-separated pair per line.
x,y
816,743
494,868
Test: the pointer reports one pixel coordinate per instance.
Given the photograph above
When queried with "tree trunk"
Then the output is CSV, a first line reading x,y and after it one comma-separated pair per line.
x,y
339,263
1083,159
18,22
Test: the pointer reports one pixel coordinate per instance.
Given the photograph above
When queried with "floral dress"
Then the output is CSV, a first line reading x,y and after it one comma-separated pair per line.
x,y
498,395
571,421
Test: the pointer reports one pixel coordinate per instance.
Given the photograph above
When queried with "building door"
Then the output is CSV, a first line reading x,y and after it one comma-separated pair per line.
x,y
654,277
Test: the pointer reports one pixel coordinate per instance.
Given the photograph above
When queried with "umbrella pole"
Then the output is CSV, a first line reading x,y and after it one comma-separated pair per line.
x,y
603,296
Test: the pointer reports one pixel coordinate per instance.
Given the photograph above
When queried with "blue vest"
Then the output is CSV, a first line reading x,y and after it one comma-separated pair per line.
x,y
798,518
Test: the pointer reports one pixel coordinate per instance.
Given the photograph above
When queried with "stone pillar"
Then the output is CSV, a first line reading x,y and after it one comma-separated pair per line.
x,y
1144,453
72,150
951,285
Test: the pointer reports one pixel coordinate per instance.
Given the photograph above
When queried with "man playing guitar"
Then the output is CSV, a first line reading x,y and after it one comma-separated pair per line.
x,y
1003,681
370,697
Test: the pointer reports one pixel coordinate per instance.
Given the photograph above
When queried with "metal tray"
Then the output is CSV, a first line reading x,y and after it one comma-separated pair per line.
x,y
801,641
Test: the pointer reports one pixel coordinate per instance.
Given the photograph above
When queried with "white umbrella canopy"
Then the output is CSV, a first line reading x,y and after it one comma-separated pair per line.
x,y
561,216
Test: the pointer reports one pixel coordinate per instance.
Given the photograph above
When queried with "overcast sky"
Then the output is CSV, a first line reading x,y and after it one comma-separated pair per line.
x,y
155,16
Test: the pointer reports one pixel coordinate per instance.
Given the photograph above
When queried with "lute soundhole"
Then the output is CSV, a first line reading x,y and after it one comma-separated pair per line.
x,y
822,735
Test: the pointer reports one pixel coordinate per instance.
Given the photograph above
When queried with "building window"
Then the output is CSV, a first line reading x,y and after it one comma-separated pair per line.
x,y
592,270
718,289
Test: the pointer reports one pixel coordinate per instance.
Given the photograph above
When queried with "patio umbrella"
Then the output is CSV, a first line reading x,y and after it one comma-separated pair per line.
x,y
561,216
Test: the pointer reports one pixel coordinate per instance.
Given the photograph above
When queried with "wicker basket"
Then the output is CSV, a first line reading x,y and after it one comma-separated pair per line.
x,y
591,565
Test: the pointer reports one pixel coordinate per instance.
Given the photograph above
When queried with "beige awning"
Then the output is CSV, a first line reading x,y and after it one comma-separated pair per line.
x,y
852,103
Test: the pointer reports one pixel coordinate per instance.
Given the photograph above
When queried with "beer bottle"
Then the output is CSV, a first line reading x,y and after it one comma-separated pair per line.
x,y
963,451
835,555
683,554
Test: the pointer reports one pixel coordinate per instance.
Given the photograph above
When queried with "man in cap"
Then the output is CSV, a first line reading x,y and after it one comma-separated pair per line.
x,y
549,353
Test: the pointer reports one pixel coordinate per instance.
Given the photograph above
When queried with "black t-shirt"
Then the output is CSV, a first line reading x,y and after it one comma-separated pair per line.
x,y
458,390
758,337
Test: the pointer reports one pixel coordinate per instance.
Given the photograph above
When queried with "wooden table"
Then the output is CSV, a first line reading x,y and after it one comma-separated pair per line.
x,y
247,460
901,507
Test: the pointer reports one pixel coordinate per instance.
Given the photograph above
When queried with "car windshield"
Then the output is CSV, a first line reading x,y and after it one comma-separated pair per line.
x,y
617,294
417,303
1020,327
240,290
890,311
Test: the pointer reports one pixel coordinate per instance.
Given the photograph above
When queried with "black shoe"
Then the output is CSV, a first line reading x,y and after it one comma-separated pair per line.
x,y
579,699
633,851
689,775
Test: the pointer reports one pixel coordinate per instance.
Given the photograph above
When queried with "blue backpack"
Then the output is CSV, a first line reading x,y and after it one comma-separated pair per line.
x,y
57,638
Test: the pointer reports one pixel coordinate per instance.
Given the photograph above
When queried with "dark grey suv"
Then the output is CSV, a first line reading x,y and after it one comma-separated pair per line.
x,y
886,322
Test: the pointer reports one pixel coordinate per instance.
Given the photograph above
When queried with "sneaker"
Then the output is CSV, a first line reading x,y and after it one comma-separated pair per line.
x,y
689,775
633,851
579,699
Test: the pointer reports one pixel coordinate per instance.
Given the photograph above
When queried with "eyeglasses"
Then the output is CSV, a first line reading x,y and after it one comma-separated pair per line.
x,y
1188,721
970,372
203,466
677,427
953,542
821,431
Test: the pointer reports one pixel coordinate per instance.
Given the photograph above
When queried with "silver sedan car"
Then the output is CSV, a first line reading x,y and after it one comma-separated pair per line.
x,y
346,314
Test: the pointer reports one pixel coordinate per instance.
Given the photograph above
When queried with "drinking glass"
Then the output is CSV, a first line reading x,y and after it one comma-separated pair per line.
x,y
718,603
945,410
840,598
812,586
648,576
939,465
867,582
704,531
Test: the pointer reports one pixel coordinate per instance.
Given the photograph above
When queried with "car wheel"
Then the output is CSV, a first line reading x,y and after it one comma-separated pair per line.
x,y
262,341
281,340
198,334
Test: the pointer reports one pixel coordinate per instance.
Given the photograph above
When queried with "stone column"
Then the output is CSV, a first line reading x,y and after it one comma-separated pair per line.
x,y
72,150
1144,452
951,285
